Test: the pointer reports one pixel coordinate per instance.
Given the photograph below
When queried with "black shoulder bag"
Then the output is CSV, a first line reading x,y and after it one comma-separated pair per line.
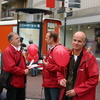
x,y
5,78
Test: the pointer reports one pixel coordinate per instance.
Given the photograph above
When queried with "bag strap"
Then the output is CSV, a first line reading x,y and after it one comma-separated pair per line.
x,y
19,60
1,60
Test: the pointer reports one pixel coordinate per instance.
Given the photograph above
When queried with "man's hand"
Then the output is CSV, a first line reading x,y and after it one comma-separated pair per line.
x,y
63,82
26,71
45,63
70,93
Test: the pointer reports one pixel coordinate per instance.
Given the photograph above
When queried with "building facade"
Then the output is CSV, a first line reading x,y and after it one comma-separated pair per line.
x,y
86,18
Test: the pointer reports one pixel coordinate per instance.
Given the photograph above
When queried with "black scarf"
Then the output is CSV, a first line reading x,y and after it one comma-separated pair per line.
x,y
74,71
76,67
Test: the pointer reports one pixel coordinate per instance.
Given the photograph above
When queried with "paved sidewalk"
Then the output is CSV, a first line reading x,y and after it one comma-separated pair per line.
x,y
34,87
32,99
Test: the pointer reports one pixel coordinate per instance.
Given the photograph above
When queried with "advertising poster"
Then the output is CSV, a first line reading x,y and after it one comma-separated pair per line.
x,y
30,31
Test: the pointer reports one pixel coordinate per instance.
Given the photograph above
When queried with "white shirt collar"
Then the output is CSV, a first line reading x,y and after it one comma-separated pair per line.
x,y
75,57
17,48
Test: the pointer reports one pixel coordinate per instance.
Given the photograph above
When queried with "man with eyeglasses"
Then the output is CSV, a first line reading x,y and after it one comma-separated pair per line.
x,y
14,63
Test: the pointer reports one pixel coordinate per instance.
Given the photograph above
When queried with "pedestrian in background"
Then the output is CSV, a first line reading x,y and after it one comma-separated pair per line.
x,y
34,71
89,49
22,44
81,74
50,68
14,63
30,42
24,49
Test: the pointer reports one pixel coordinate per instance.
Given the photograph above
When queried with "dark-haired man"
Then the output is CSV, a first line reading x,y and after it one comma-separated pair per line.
x,y
50,68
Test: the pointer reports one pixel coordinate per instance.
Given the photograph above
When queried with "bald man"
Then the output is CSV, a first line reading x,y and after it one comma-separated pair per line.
x,y
81,74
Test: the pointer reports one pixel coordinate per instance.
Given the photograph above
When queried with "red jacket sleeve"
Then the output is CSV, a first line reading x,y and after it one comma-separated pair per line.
x,y
9,59
61,73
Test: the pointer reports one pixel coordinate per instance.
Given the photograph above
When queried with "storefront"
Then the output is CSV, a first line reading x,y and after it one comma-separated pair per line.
x,y
90,25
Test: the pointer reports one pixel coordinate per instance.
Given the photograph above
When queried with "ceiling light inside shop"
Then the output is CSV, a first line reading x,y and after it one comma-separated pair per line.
x,y
70,28
89,27
4,2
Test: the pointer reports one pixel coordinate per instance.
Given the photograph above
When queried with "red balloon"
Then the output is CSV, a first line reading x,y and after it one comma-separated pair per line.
x,y
29,58
61,55
32,49
35,58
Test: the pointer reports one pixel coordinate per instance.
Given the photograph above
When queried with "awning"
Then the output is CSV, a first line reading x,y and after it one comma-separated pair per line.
x,y
32,10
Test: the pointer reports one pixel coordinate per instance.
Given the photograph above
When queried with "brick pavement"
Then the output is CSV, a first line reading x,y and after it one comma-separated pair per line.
x,y
32,99
34,89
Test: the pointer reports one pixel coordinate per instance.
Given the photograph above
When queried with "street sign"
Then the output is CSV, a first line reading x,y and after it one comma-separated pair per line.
x,y
69,14
71,5
62,10
73,1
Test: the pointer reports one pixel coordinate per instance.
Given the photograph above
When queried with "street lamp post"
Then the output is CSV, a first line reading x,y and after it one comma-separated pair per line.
x,y
65,24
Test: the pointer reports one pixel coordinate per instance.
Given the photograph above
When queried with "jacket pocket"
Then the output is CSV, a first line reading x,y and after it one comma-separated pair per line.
x,y
18,81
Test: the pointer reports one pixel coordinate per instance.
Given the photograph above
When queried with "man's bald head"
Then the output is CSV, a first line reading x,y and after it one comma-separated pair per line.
x,y
79,40
81,35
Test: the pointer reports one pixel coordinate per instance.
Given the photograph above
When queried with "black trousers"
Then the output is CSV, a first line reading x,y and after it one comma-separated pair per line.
x,y
15,93
68,98
51,93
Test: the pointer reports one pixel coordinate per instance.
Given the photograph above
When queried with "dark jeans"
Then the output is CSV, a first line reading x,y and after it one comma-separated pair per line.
x,y
51,93
15,93
34,71
68,98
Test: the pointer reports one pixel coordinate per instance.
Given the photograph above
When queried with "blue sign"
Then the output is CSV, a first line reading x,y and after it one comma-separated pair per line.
x,y
29,25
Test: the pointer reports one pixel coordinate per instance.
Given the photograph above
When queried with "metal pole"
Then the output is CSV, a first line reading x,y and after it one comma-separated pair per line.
x,y
17,22
42,17
65,24
78,27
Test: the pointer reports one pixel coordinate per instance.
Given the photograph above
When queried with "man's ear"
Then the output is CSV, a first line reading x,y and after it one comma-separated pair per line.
x,y
10,41
52,38
84,43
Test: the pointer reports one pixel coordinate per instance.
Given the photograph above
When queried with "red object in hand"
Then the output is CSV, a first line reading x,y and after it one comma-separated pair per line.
x,y
35,58
32,49
61,55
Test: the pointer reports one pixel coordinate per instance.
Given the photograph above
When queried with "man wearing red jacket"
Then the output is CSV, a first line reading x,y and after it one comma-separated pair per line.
x,y
50,68
80,77
14,63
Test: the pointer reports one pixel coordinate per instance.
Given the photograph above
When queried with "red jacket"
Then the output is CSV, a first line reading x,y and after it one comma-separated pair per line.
x,y
86,79
49,72
10,59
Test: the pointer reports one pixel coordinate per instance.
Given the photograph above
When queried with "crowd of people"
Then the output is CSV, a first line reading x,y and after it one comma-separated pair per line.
x,y
75,81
